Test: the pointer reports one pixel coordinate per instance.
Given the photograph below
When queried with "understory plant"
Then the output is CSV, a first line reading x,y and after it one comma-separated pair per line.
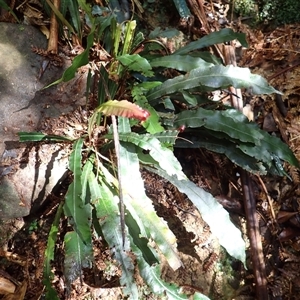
x,y
142,113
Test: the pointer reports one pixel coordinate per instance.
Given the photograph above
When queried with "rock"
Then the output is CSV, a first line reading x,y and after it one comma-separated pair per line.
x,y
34,172
28,172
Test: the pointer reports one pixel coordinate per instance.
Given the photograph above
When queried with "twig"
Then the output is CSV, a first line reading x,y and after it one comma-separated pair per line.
x,y
257,256
269,200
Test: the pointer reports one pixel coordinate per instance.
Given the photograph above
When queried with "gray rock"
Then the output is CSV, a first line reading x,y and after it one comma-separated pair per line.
x,y
28,172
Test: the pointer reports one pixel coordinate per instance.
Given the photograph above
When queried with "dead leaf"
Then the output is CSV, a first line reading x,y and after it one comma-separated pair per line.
x,y
6,286
19,293
284,216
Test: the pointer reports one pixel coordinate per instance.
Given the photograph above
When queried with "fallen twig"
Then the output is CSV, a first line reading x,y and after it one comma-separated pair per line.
x,y
257,256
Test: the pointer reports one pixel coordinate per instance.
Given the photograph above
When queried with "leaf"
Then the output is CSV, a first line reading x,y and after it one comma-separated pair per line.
x,y
161,154
123,108
75,15
220,121
78,244
189,98
199,296
105,84
152,276
152,124
182,9
38,137
223,146
248,136
212,78
212,213
79,61
167,137
277,148
141,242
74,207
59,16
106,205
222,36
87,169
4,5
129,36
140,206
77,256
284,216
135,62
86,7
49,256
180,62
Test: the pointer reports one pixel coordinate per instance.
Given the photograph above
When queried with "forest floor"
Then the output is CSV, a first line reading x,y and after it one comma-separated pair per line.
x,y
274,54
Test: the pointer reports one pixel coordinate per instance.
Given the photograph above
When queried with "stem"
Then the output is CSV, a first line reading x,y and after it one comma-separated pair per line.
x,y
117,148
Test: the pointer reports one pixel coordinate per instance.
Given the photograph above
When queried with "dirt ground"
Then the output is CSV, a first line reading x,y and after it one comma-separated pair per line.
x,y
207,268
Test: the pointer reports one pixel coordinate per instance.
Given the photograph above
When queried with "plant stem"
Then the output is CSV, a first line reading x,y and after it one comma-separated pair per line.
x,y
117,148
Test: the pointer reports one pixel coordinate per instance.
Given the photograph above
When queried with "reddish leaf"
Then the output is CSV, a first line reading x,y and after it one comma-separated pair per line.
x,y
181,128
124,108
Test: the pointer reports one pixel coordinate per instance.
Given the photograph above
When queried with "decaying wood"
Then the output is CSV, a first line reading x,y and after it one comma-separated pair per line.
x,y
254,236
53,37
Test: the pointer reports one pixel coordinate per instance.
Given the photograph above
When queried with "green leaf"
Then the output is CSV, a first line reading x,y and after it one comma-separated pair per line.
x,y
129,36
182,9
106,204
141,242
140,206
212,78
78,255
75,208
75,15
167,137
79,61
199,296
224,146
161,154
152,124
212,213
135,62
4,5
38,137
189,98
222,36
220,121
86,7
152,276
49,256
59,16
275,146
180,62
107,88
248,137
87,169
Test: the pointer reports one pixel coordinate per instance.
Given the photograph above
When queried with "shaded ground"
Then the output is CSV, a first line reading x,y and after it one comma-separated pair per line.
x,y
207,268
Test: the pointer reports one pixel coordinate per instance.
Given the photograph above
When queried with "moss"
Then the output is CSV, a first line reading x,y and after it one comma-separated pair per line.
x,y
276,11
244,7
280,12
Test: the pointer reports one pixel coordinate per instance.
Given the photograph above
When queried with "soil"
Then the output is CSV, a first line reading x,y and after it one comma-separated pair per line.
x,y
207,267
